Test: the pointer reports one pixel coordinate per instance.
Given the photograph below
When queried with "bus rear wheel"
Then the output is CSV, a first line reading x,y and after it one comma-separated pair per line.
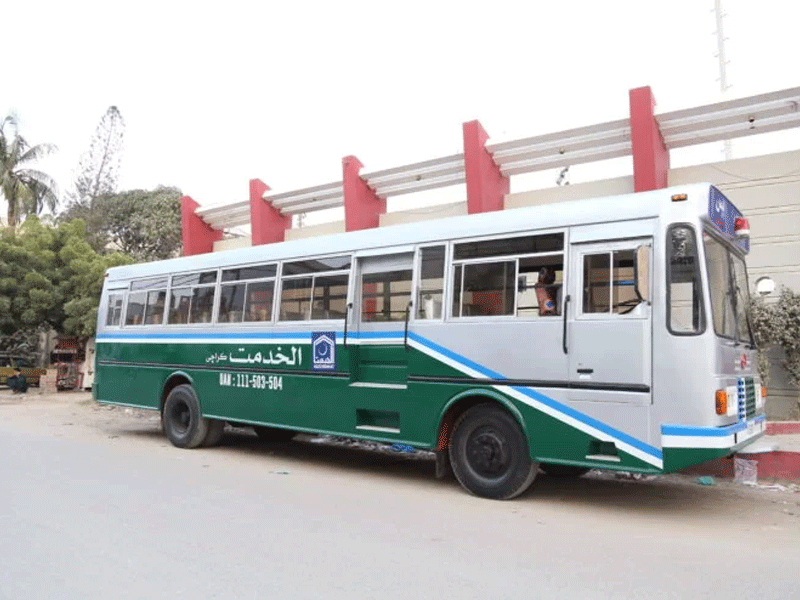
x,y
489,453
184,424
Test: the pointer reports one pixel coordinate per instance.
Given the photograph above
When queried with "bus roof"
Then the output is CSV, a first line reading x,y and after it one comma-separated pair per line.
x,y
627,207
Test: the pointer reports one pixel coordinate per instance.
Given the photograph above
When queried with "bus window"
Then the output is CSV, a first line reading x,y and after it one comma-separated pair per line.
x,y
684,291
259,301
258,293
528,244
134,312
488,289
154,311
539,283
143,302
114,310
525,282
192,298
201,304
728,288
296,299
609,282
330,297
385,296
314,290
431,282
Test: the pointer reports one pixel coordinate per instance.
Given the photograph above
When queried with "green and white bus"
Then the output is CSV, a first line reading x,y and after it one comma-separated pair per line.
x,y
609,333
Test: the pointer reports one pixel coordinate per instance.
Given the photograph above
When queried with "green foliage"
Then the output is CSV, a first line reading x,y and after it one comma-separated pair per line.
x,y
22,342
50,278
145,224
26,190
778,325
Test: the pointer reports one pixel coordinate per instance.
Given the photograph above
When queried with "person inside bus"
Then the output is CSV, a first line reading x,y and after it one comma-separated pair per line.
x,y
17,382
546,292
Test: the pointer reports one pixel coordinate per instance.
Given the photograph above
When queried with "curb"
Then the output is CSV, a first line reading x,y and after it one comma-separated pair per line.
x,y
776,464
782,427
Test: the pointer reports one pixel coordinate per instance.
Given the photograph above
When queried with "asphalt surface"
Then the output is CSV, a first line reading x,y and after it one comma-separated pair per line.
x,y
95,503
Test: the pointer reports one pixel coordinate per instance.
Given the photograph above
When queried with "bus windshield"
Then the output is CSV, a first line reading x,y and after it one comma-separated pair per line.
x,y
730,296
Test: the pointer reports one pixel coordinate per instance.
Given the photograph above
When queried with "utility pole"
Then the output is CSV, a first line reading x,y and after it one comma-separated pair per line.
x,y
724,86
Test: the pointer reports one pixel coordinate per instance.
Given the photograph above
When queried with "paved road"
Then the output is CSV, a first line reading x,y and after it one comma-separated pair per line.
x,y
94,503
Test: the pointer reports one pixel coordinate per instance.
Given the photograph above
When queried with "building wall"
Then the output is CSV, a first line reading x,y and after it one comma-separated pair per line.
x,y
300,233
578,191
423,214
232,243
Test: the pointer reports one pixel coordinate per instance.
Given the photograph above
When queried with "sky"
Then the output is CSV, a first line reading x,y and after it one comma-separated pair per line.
x,y
214,94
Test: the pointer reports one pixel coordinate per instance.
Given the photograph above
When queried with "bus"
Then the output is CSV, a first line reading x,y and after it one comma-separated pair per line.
x,y
609,333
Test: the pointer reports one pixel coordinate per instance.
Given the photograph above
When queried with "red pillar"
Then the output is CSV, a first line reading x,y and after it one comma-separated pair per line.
x,y
362,206
267,224
198,237
486,185
650,154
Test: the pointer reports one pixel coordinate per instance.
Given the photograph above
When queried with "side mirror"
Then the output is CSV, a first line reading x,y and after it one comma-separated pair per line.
x,y
641,273
765,286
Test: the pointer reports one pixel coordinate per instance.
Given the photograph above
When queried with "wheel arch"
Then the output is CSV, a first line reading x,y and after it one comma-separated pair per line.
x,y
462,402
173,381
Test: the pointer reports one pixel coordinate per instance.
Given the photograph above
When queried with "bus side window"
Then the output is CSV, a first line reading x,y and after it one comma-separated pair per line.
x,y
314,289
609,283
539,286
524,279
684,288
431,283
385,295
114,310
192,298
135,310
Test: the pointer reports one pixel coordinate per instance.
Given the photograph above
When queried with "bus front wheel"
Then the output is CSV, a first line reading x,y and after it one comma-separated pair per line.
x,y
184,424
489,453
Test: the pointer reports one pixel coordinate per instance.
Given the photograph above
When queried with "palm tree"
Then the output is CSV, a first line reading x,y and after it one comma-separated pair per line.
x,y
27,191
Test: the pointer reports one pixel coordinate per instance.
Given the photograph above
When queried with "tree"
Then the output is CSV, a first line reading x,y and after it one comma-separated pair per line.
x,y
145,224
26,190
778,325
50,278
98,168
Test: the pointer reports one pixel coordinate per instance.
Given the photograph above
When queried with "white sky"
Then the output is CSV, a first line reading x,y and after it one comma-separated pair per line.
x,y
216,94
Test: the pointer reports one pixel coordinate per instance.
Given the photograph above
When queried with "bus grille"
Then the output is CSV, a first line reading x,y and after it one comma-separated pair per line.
x,y
746,392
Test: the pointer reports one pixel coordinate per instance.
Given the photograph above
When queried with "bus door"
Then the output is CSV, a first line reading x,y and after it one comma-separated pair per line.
x,y
608,322
381,308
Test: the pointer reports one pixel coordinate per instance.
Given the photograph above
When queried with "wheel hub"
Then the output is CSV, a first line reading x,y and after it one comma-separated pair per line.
x,y
487,453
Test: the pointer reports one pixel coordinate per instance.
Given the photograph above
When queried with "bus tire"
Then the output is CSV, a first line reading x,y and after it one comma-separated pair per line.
x,y
216,428
273,434
489,453
563,471
184,424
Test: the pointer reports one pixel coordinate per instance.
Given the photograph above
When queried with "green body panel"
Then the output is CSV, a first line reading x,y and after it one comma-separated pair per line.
x,y
369,395
676,459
